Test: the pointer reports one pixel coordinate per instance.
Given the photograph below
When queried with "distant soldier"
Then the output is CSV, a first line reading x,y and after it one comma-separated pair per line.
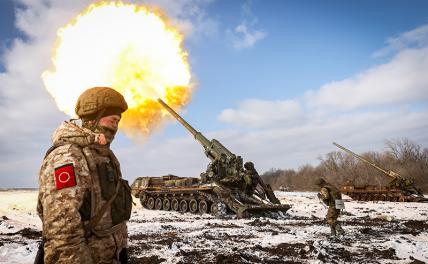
x,y
331,197
83,201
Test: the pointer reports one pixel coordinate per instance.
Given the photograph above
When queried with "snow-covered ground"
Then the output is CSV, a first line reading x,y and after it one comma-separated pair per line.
x,y
376,232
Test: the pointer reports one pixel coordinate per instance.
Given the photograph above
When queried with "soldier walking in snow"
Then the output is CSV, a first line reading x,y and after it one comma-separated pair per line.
x,y
331,197
83,201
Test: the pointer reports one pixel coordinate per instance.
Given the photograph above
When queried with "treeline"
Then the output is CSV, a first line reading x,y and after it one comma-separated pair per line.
x,y
402,156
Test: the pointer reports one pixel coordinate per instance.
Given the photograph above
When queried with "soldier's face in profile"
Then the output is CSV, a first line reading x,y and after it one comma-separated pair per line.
x,y
108,126
111,122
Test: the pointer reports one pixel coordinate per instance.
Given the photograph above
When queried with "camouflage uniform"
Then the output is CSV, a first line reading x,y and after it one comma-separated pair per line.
x,y
66,211
328,194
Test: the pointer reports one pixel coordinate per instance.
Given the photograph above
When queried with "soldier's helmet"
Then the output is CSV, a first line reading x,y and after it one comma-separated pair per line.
x,y
96,99
319,181
249,165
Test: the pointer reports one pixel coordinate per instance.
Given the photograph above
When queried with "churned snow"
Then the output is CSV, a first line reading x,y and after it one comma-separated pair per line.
x,y
376,232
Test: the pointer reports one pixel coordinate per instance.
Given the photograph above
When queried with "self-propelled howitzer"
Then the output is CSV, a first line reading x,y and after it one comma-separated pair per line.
x,y
226,186
399,189
225,167
392,174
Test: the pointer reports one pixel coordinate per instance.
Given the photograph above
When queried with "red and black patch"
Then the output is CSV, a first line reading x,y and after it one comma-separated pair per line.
x,y
65,176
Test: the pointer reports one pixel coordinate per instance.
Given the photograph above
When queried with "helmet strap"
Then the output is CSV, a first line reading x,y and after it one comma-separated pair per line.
x,y
92,124
97,119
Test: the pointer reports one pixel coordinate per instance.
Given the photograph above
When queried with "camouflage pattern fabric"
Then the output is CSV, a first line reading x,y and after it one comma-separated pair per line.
x,y
325,195
332,215
61,210
328,195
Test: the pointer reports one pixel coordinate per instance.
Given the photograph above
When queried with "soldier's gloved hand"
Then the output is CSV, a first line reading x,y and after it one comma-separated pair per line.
x,y
100,139
319,196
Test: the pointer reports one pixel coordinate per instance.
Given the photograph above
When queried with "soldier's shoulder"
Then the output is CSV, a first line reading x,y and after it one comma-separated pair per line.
x,y
66,151
324,190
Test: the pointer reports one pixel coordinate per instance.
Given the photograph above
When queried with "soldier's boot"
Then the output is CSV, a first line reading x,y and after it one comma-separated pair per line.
x,y
332,231
339,230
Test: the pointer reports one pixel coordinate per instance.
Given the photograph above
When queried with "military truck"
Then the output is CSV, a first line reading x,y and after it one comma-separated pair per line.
x,y
227,185
400,189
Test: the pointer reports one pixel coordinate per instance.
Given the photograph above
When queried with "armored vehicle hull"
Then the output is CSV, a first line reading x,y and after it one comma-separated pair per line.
x,y
183,194
380,193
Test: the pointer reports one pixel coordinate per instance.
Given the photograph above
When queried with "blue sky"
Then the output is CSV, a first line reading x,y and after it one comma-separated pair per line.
x,y
278,81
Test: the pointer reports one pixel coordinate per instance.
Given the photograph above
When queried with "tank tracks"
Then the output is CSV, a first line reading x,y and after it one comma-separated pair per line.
x,y
198,202
391,197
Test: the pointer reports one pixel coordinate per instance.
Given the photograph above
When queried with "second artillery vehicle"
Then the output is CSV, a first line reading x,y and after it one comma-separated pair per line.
x,y
400,189
227,186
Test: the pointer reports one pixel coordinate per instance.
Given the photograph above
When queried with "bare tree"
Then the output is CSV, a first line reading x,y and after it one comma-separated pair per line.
x,y
402,156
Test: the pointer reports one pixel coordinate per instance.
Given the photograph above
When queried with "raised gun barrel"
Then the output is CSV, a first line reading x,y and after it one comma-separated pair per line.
x,y
397,179
213,149
389,173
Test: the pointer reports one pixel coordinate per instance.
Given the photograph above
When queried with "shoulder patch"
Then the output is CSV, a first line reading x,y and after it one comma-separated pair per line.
x,y
65,177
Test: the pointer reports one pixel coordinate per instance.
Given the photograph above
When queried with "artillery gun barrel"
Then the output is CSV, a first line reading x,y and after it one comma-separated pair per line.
x,y
178,117
388,173
213,148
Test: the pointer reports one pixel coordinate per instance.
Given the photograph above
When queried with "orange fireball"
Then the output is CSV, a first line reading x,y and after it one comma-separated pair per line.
x,y
125,46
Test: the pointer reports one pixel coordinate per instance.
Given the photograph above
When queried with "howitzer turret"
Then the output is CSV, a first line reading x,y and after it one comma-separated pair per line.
x,y
399,189
226,186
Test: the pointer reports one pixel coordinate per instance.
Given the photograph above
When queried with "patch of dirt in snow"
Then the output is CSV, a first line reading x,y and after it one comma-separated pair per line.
x,y
20,237
338,252
27,233
144,260
416,225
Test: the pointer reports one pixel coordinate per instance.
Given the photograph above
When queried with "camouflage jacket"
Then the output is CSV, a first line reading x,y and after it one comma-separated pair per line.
x,y
72,189
329,194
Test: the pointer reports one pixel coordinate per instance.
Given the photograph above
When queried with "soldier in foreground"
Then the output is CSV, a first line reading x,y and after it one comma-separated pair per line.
x,y
83,201
331,197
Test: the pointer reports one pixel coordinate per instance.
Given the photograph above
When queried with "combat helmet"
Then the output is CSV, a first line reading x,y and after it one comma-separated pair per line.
x,y
319,181
97,102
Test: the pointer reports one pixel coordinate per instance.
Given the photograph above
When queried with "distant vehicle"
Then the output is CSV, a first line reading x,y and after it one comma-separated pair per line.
x,y
284,188
400,189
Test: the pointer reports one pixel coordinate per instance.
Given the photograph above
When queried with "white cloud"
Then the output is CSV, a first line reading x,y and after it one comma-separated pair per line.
x,y
29,114
415,38
259,113
189,16
402,80
398,83
244,37
294,146
245,34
